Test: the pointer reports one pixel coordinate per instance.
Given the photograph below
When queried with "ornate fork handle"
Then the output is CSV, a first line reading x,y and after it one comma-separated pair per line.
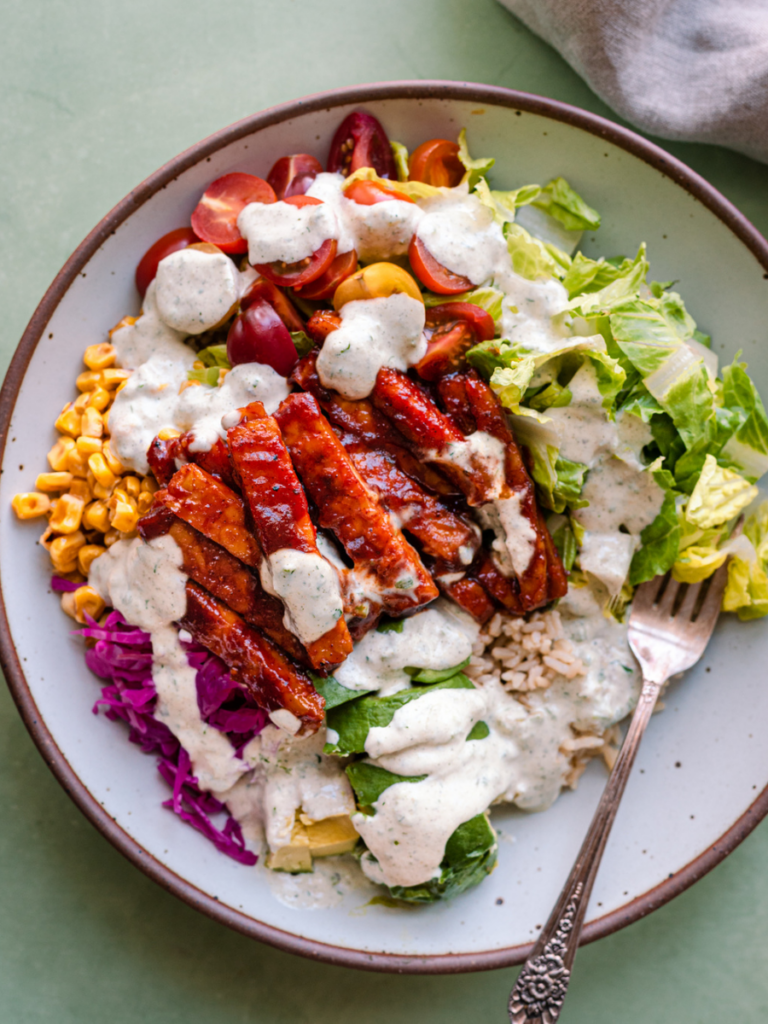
x,y
540,989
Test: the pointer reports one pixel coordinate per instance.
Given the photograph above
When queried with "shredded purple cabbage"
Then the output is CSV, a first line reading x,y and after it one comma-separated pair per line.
x,y
62,585
122,654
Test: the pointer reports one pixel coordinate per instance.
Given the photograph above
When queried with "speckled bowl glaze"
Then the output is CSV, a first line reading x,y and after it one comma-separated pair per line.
x,y
701,781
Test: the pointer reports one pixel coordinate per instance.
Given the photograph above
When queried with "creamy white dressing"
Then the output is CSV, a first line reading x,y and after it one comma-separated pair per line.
x,y
376,232
437,638
284,232
515,540
478,450
195,290
373,333
150,337
144,582
461,233
309,587
152,400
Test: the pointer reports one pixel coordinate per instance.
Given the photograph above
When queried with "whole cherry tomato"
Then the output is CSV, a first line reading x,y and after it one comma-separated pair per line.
x,y
215,216
449,312
259,336
294,275
360,141
279,301
325,285
433,274
437,163
172,242
367,193
292,175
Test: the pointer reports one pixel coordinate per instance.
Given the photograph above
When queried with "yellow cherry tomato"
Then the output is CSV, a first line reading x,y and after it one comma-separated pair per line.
x,y
377,281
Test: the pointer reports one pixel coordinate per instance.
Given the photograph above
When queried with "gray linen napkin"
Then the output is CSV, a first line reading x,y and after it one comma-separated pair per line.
x,y
682,69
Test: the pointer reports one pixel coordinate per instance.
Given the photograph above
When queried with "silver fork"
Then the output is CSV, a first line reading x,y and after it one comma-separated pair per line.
x,y
669,628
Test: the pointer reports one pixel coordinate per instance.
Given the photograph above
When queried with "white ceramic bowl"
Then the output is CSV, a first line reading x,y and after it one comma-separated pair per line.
x,y
701,780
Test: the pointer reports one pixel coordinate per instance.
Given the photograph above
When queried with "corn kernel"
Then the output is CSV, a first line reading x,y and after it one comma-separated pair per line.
x,y
101,470
131,485
68,514
92,423
144,503
188,384
88,603
149,484
53,481
124,518
96,516
127,321
46,538
222,374
69,421
87,554
76,464
81,402
198,365
120,497
99,400
114,464
63,551
57,456
122,384
168,433
88,381
110,537
30,505
68,604
99,357
113,377
88,445
81,489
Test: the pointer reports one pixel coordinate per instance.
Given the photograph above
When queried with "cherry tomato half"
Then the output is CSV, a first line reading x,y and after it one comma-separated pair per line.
x,y
259,336
360,141
172,242
322,323
445,350
215,216
294,275
437,163
325,285
282,305
292,175
376,281
367,193
449,312
433,274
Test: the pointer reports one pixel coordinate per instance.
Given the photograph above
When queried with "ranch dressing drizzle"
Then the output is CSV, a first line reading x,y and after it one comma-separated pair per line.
x,y
281,231
194,290
148,337
373,333
309,587
438,638
376,232
144,582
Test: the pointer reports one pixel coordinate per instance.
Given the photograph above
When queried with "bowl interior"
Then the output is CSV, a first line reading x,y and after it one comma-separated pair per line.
x,y
702,763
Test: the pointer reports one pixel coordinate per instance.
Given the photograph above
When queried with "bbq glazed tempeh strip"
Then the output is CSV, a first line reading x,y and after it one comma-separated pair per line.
x,y
351,509
268,674
469,594
163,456
363,420
215,510
223,575
278,507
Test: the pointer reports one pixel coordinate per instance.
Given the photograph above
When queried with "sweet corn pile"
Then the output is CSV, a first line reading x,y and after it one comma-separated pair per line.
x,y
89,498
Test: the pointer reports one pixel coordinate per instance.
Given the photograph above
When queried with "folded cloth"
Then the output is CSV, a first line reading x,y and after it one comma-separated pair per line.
x,y
682,69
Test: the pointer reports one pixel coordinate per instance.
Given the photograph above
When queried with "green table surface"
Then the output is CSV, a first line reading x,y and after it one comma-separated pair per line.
x,y
95,95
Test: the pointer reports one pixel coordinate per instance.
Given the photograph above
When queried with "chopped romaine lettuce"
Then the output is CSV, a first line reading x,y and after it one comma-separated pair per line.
x,y
597,286
475,169
531,258
302,343
559,200
719,495
503,205
400,153
486,298
660,542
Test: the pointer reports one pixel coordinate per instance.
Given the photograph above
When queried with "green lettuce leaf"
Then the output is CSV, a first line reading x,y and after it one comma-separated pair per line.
x,y
747,590
302,342
560,201
747,446
597,286
504,204
400,153
660,543
531,258
333,692
435,675
475,169
486,298
719,495
369,781
353,720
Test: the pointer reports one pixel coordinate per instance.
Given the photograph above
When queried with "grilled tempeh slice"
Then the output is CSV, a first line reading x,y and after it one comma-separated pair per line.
x,y
271,677
215,510
225,576
363,420
164,455
279,509
351,509
469,594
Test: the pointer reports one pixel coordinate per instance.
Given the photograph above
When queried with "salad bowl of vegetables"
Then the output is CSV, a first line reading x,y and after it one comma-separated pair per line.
x,y
375,409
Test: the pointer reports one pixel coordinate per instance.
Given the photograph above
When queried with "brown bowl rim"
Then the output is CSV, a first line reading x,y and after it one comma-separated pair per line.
x,y
448,963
